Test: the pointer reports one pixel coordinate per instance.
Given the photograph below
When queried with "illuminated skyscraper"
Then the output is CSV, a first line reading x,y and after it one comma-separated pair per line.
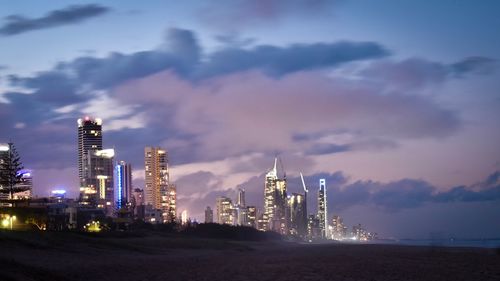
x,y
137,202
240,208
225,214
338,228
322,209
157,192
89,138
123,183
184,217
171,204
26,184
209,215
251,216
275,202
313,228
297,214
4,159
241,197
98,178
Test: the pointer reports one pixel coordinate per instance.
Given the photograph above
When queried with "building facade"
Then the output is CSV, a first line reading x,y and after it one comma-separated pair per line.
x,y
225,213
209,215
157,192
98,176
322,209
297,215
275,202
89,138
123,184
251,216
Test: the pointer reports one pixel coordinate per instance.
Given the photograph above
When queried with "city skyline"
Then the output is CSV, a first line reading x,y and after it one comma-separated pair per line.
x,y
397,114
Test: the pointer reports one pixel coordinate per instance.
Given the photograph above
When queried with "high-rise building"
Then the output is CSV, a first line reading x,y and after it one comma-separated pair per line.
x,y
209,215
322,209
123,183
25,184
251,216
98,177
297,214
89,138
241,197
275,202
225,213
137,202
240,208
4,158
184,217
313,228
337,228
157,180
171,213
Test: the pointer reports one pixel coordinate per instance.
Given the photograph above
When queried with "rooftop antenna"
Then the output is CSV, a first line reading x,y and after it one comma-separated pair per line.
x,y
303,183
282,167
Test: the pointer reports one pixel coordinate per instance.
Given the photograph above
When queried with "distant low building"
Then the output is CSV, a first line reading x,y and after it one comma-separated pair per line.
x,y
209,215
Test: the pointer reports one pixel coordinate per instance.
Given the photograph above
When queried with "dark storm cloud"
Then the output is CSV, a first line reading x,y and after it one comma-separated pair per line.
x,y
53,87
74,82
234,40
16,24
327,148
405,193
180,53
479,65
67,82
278,61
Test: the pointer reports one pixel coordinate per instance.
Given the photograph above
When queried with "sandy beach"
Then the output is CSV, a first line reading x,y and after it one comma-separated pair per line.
x,y
68,256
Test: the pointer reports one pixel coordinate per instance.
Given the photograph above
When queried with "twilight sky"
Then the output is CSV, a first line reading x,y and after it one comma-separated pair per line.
x,y
395,103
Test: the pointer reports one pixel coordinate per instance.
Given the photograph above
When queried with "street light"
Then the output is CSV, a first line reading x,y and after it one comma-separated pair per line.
x,y
13,218
7,222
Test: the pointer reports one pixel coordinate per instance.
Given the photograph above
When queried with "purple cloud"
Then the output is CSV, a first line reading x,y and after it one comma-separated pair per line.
x,y
16,24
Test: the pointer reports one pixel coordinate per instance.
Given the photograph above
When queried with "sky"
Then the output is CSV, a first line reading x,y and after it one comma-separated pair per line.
x,y
395,103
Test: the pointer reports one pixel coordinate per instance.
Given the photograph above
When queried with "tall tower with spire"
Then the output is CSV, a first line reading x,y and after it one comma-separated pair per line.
x,y
322,209
275,202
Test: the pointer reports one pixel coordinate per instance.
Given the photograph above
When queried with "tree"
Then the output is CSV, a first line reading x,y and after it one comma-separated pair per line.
x,y
10,167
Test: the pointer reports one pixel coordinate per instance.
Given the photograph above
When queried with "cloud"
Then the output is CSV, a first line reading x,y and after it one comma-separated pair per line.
x,y
245,13
54,87
408,193
279,61
319,149
74,81
222,115
477,65
16,24
417,74
393,196
215,113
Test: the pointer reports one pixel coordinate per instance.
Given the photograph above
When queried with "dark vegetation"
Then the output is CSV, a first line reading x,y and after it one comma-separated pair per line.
x,y
218,231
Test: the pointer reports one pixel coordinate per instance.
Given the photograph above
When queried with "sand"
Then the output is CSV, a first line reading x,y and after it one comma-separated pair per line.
x,y
66,256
